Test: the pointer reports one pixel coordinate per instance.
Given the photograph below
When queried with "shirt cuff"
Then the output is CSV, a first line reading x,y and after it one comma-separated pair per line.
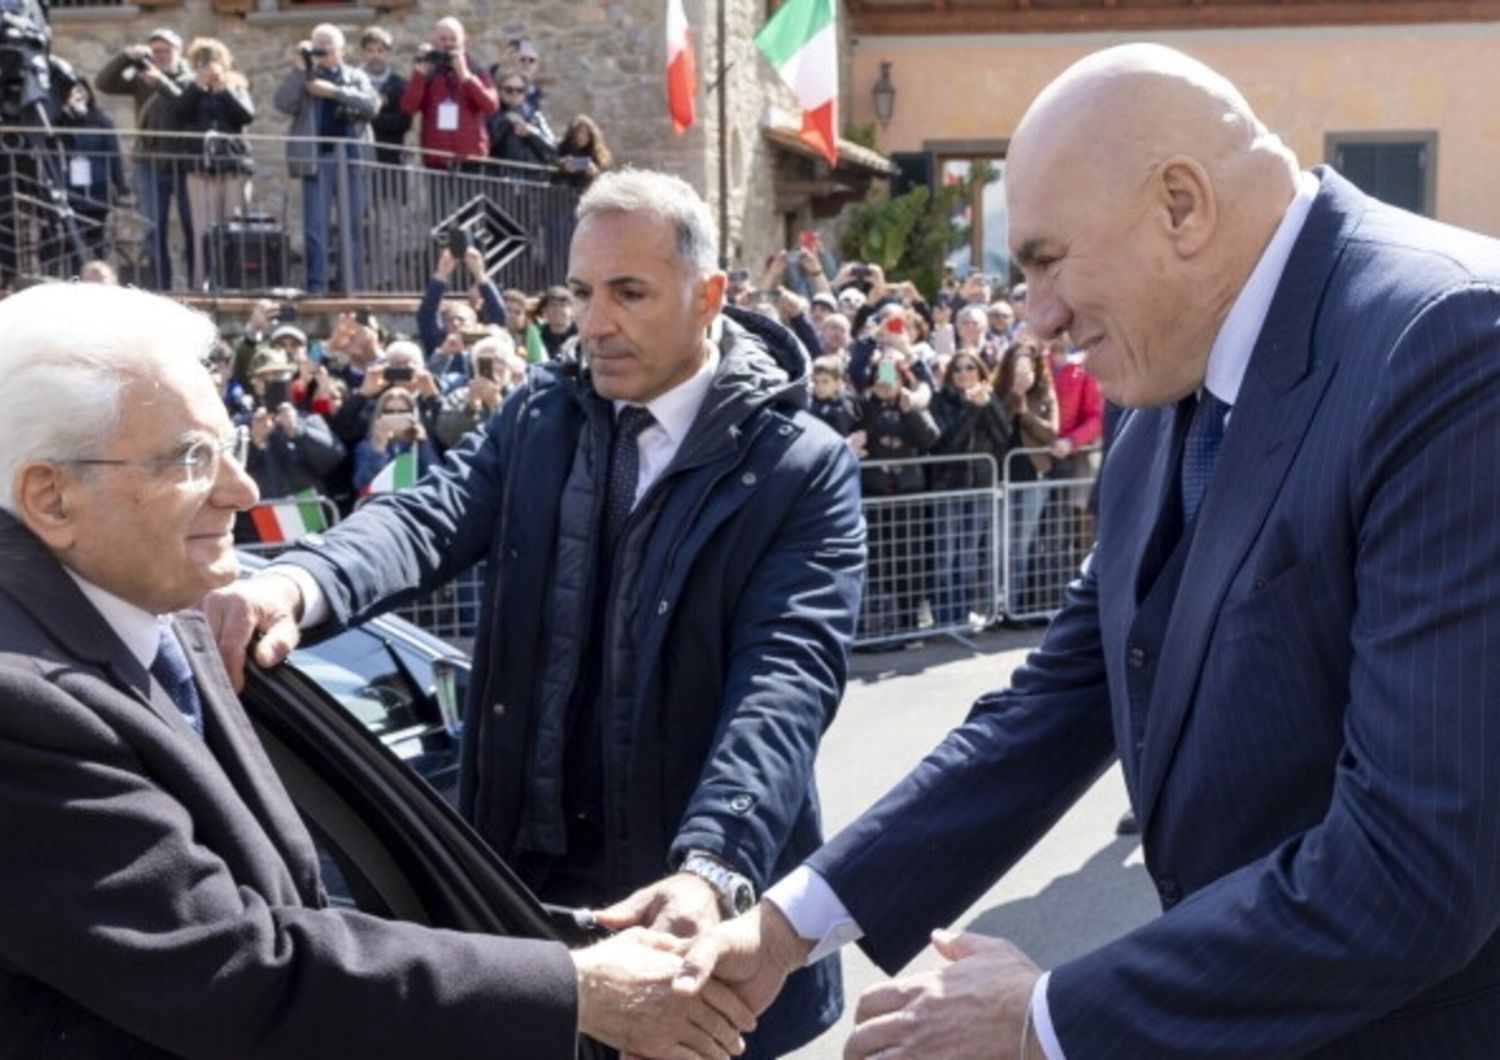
x,y
315,609
815,912
1041,1020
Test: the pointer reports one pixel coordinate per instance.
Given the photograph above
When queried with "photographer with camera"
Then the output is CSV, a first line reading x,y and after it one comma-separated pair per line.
x,y
518,134
495,370
216,103
436,321
155,76
455,98
290,450
396,430
96,173
334,102
400,365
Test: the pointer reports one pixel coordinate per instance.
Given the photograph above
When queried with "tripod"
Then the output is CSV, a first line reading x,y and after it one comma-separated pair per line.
x,y
35,212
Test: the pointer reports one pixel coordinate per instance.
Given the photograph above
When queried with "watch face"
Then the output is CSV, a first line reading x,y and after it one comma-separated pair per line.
x,y
741,897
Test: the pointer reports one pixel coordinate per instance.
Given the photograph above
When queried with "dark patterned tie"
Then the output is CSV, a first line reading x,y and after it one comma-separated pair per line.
x,y
624,468
1199,451
172,672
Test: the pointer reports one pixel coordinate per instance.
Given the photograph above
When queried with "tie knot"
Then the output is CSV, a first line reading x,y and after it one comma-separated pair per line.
x,y
632,420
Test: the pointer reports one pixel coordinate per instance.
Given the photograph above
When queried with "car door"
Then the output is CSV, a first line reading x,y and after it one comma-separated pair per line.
x,y
390,845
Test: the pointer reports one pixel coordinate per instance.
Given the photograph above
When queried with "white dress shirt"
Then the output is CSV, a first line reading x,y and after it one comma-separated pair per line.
x,y
138,628
672,412
810,904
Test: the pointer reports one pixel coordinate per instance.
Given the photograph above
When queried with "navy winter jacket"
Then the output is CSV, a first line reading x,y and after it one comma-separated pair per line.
x,y
734,598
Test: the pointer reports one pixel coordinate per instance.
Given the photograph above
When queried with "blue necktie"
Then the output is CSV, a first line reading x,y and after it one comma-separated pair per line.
x,y
171,670
624,468
1200,449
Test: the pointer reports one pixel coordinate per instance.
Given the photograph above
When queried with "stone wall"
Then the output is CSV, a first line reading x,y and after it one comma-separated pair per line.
x,y
605,58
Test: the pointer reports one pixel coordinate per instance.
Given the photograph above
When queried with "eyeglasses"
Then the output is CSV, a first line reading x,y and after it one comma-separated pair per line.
x,y
199,461
964,368
507,90
527,59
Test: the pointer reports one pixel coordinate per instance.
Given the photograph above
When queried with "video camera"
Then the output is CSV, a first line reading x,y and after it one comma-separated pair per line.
x,y
439,59
309,53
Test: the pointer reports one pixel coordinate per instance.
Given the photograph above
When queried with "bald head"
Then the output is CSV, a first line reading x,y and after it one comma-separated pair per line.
x,y
1142,190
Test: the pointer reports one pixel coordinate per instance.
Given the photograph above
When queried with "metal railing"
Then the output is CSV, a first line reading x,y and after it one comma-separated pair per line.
x,y
1047,532
933,556
945,561
185,212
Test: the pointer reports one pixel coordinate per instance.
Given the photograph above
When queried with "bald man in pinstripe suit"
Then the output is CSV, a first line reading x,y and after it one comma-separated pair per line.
x,y
1289,632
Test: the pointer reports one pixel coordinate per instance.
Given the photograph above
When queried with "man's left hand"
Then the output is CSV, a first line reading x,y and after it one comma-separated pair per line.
x,y
683,905
973,1008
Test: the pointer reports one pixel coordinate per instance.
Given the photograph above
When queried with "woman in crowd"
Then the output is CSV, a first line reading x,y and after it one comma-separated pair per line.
x,y
96,175
516,134
395,430
1030,402
974,425
894,424
582,154
216,104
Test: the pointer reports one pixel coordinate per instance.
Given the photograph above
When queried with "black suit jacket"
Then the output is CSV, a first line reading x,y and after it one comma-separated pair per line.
x,y
159,895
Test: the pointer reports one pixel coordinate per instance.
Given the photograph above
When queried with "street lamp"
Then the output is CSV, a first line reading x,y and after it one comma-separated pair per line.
x,y
884,94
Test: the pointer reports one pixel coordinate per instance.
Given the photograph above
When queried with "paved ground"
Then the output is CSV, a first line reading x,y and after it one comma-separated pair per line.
x,y
1080,887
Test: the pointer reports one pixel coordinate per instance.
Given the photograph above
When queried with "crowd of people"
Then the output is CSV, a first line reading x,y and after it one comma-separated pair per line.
x,y
957,379
193,109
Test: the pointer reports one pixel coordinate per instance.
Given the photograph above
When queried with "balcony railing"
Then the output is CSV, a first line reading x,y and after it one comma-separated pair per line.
x,y
186,214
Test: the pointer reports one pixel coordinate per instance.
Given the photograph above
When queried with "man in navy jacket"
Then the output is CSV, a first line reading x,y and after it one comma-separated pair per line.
x,y
1287,632
671,596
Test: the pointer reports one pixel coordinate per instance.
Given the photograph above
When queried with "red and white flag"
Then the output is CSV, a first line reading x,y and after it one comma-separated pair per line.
x,y
682,71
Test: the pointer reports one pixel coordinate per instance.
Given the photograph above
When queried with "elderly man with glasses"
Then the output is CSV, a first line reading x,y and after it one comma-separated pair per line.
x,y
150,855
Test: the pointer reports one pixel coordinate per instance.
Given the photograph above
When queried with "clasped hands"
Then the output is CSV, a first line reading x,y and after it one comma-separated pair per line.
x,y
727,972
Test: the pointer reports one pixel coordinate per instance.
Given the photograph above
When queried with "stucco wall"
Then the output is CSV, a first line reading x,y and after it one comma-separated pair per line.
x,y
1303,83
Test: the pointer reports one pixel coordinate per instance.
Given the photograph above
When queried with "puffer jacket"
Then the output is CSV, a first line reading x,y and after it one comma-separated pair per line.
x,y
733,602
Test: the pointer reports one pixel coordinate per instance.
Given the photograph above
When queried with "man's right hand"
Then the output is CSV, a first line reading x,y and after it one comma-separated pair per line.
x,y
267,604
751,954
627,999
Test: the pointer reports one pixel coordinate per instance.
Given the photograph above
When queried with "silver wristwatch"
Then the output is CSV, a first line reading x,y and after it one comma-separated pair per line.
x,y
736,893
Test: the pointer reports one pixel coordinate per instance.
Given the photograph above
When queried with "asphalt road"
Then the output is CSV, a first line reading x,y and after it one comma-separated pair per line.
x,y
1080,887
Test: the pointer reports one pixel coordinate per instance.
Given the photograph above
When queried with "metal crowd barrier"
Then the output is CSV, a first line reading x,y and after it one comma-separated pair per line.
x,y
165,223
451,612
1047,532
934,556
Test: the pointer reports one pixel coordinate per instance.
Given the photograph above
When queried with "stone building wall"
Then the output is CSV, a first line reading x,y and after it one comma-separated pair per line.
x,y
605,58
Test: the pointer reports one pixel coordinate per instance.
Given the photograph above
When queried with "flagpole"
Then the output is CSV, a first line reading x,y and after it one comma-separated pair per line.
x,y
723,36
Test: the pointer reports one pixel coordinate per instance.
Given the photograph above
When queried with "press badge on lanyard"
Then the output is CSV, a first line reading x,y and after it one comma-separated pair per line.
x,y
447,116
80,172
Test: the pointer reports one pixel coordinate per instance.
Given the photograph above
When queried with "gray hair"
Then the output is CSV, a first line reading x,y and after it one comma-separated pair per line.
x,y
974,311
67,352
671,198
329,30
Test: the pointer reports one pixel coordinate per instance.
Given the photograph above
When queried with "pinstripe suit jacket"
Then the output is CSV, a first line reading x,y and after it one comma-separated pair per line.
x,y
1317,768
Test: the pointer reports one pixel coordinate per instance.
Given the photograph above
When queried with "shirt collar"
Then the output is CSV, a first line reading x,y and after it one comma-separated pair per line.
x,y
675,410
1237,336
138,629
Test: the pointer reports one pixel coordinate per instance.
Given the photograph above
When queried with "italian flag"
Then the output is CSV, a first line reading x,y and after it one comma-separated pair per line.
x,y
682,72
288,519
536,349
397,475
801,42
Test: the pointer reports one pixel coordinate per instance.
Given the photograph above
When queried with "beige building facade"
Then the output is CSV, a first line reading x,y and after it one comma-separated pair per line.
x,y
1366,97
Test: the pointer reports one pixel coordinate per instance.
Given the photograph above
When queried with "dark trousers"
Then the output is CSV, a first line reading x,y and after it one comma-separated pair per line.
x,y
156,182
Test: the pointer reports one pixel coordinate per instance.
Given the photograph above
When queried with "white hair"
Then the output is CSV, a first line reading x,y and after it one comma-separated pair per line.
x,y
406,349
329,30
67,351
671,198
976,312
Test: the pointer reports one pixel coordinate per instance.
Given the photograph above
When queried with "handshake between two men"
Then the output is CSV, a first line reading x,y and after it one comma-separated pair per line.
x,y
729,971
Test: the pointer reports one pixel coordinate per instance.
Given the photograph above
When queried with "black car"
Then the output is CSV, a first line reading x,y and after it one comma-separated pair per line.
x,y
363,729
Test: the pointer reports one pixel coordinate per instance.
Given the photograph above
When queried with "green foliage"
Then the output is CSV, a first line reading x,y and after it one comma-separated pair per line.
x,y
907,236
864,135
